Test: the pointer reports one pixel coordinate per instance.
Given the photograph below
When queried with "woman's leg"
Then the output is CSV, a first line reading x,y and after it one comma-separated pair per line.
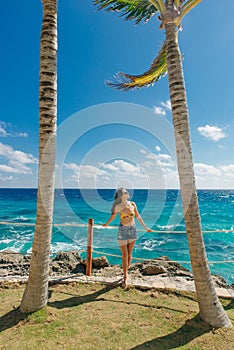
x,y
130,249
124,250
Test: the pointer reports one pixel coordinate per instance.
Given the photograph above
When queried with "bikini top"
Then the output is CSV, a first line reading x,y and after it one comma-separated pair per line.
x,y
126,215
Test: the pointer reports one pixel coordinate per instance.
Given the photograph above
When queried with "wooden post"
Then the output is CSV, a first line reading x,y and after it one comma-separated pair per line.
x,y
89,248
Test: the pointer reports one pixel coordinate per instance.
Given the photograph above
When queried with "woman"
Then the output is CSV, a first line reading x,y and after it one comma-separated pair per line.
x,y
127,228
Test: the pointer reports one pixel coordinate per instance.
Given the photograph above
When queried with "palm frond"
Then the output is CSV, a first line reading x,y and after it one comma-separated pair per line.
x,y
157,70
138,10
188,6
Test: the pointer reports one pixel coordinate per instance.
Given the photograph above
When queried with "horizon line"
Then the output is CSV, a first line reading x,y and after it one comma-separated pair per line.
x,y
114,188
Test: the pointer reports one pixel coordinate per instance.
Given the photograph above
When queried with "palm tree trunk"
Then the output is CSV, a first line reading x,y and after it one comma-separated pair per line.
x,y
36,292
211,310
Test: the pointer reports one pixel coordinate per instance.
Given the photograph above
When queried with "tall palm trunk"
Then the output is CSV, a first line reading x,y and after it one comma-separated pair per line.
x,y
36,292
211,310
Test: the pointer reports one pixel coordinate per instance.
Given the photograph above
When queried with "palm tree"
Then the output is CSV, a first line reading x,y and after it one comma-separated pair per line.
x,y
36,292
169,61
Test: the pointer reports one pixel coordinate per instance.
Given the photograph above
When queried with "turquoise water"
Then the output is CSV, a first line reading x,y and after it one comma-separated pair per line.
x,y
160,210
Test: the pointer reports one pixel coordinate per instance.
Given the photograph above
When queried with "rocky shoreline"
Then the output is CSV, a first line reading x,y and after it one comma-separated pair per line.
x,y
160,273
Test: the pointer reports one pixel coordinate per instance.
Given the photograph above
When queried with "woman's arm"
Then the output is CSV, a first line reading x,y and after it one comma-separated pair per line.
x,y
139,218
111,218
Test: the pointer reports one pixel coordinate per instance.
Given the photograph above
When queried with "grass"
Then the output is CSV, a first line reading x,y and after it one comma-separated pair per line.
x,y
96,317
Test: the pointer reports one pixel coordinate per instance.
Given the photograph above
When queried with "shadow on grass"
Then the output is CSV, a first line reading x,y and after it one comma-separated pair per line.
x,y
158,307
230,305
192,329
79,300
15,316
11,319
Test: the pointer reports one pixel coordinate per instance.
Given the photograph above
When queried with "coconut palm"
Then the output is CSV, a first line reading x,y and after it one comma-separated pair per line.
x,y
36,292
169,61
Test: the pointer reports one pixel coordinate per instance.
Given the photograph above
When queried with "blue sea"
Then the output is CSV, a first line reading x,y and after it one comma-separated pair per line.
x,y
160,210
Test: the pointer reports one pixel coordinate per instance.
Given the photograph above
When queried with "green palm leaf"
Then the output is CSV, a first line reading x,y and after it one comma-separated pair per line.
x,y
157,70
138,10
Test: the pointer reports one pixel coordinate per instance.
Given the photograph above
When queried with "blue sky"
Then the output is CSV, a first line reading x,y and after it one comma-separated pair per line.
x,y
96,145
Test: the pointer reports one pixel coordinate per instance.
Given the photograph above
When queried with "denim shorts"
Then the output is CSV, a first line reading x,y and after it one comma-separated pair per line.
x,y
126,233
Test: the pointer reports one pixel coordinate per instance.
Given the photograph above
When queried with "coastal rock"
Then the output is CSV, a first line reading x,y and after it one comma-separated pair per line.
x,y
71,257
153,269
11,257
70,264
161,266
100,263
108,272
12,263
219,281
79,269
66,263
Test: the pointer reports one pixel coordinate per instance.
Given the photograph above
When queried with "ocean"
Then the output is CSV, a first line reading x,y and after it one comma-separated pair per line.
x,y
160,210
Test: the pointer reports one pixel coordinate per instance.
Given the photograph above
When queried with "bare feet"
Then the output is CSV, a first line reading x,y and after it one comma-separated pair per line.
x,y
125,285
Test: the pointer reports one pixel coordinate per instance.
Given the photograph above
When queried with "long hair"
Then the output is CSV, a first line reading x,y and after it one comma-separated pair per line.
x,y
117,198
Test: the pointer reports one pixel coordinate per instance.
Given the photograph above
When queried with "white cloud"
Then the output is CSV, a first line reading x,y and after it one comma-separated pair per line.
x,y
213,133
164,106
217,177
17,160
152,171
121,168
150,156
163,160
87,170
207,170
21,134
110,167
143,151
6,178
71,166
8,169
21,167
106,175
17,169
164,156
5,131
159,110
228,171
19,156
127,167
161,171
148,165
84,176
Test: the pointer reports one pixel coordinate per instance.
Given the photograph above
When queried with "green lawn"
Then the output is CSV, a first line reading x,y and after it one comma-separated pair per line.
x,y
95,317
